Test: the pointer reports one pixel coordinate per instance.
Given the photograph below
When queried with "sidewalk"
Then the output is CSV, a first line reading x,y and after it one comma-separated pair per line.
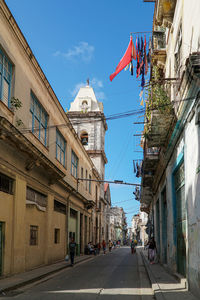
x,y
15,281
165,285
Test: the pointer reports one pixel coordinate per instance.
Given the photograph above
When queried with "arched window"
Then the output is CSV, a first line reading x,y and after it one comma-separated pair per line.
x,y
84,138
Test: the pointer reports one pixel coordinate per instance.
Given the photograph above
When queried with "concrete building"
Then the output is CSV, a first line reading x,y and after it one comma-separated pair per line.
x,y
87,117
171,177
118,223
139,222
42,202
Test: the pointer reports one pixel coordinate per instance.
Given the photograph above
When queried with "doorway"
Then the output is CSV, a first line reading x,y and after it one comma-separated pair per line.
x,y
164,226
180,218
1,246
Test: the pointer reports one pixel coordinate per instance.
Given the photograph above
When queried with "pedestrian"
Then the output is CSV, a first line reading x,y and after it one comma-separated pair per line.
x,y
104,247
98,248
132,246
110,245
72,250
152,250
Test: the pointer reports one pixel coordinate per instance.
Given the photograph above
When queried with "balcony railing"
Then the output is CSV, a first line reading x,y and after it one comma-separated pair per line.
x,y
159,127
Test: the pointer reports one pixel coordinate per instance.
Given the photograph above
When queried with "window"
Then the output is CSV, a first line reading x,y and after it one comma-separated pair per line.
x,y
5,78
86,183
90,178
59,207
74,165
56,236
33,235
39,120
36,197
96,194
6,184
60,148
178,53
82,173
84,138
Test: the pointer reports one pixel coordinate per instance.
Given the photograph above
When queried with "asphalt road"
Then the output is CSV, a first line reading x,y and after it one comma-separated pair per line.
x,y
117,275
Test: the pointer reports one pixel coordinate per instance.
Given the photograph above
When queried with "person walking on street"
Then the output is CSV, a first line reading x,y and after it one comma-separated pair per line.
x,y
72,250
110,245
132,246
152,250
104,247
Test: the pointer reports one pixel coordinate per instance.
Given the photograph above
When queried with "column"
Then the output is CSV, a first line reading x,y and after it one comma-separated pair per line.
x,y
19,238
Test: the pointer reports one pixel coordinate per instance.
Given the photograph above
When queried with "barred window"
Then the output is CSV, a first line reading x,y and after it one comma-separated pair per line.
x,y
6,184
56,236
59,207
33,235
36,197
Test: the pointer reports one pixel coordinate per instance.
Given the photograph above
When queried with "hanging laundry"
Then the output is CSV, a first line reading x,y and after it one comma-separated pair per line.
x,y
138,57
141,97
131,68
126,59
134,168
145,57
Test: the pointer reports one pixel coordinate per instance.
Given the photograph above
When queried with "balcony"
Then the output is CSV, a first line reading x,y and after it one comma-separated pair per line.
x,y
164,11
160,124
159,46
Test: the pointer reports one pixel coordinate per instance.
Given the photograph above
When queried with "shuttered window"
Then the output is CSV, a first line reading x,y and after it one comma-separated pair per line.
x,y
39,120
60,148
5,78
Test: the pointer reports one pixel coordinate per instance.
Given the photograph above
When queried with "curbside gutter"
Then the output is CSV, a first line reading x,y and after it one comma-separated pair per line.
x,y
155,286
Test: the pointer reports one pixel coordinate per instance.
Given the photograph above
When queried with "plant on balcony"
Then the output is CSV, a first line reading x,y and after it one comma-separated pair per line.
x,y
157,99
15,103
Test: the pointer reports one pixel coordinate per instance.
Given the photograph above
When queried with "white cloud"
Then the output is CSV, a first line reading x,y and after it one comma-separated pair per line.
x,y
95,83
82,51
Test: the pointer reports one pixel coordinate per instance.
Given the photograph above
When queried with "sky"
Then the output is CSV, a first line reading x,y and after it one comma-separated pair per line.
x,y
78,39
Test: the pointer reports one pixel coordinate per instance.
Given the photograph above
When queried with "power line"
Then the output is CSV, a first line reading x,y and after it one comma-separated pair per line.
x,y
111,117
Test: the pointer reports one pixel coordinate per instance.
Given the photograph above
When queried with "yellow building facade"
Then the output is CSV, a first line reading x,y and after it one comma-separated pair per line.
x,y
42,201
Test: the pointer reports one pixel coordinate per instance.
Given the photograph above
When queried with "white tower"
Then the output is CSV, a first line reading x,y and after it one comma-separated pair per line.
x,y
87,117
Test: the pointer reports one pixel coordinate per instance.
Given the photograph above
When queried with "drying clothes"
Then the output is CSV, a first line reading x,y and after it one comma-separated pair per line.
x,y
126,59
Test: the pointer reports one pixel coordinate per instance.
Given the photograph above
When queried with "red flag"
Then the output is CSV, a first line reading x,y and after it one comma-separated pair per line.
x,y
126,59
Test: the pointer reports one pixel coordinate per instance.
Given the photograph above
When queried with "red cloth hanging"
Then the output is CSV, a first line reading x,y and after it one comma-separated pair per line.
x,y
126,59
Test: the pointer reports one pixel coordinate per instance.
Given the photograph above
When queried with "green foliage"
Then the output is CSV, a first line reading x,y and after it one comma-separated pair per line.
x,y
15,103
156,98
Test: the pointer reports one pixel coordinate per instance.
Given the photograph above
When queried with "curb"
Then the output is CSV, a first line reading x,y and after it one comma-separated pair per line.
x,y
155,286
38,277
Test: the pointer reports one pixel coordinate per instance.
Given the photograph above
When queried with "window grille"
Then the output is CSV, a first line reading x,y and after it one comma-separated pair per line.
x,y
39,120
36,197
6,184
33,235
59,207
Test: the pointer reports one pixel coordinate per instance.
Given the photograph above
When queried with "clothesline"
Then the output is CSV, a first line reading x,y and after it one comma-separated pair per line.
x,y
139,32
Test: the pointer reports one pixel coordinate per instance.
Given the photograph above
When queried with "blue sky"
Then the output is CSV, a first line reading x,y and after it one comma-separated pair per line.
x,y
78,39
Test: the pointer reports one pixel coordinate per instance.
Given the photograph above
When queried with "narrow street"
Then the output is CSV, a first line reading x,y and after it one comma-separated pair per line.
x,y
116,275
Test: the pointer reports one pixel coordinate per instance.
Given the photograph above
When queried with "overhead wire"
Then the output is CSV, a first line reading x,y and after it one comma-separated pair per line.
x,y
102,118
